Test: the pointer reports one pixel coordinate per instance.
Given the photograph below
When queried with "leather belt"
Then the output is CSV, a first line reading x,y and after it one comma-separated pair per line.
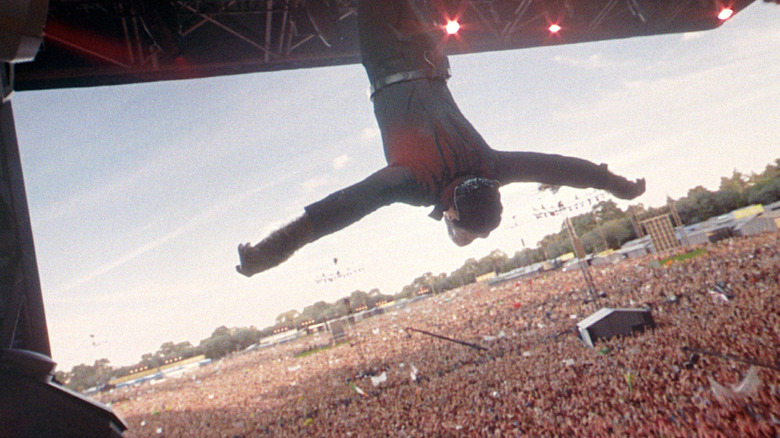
x,y
406,76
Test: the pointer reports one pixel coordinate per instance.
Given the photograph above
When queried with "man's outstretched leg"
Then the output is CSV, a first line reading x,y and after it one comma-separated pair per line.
x,y
276,248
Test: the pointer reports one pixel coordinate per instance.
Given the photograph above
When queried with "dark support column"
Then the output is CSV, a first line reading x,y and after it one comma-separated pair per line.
x,y
22,317
31,403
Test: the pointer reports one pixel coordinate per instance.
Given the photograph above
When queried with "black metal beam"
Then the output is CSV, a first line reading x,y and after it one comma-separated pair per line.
x,y
105,42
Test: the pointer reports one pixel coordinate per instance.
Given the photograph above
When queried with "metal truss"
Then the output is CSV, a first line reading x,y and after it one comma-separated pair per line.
x,y
99,42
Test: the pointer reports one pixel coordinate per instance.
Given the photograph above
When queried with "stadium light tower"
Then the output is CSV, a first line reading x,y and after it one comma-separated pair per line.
x,y
561,208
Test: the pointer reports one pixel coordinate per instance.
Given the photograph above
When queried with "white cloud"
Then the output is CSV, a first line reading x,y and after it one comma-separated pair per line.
x,y
312,184
592,62
369,133
203,217
688,36
340,161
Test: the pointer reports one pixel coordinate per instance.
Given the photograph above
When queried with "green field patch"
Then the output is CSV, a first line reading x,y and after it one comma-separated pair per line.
x,y
317,349
683,257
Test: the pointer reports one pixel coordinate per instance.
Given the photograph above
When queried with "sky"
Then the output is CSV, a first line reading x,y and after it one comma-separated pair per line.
x,y
140,194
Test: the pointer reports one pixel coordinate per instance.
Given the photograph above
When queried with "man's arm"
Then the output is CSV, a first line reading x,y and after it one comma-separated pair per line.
x,y
560,170
335,212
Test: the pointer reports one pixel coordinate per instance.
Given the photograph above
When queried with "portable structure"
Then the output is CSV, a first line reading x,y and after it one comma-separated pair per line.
x,y
608,323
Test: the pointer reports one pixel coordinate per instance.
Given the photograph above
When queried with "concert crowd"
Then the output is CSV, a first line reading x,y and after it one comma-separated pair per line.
x,y
710,367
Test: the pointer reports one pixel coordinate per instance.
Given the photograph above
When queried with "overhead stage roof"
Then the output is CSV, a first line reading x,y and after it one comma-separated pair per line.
x,y
102,42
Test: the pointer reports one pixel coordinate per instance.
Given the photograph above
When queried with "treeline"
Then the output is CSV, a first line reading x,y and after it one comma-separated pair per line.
x,y
605,227
608,227
321,311
222,342
735,192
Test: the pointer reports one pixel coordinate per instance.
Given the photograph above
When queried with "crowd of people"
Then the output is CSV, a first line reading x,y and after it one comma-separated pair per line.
x,y
710,367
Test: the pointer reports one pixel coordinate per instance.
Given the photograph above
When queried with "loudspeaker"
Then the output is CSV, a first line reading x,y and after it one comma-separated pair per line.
x,y
32,405
607,323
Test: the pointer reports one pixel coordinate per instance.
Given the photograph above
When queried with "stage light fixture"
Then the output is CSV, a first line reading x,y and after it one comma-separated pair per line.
x,y
554,28
452,27
725,14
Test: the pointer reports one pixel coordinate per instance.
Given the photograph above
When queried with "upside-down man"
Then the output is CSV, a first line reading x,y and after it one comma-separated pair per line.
x,y
434,156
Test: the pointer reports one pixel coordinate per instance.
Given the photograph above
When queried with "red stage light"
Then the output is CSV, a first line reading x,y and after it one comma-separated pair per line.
x,y
725,14
452,27
554,28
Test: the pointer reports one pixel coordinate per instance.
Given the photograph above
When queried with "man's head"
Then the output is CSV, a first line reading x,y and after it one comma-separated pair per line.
x,y
476,210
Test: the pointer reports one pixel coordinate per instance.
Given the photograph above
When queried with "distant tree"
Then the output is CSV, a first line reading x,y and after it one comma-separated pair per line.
x,y
606,211
469,271
333,310
617,232
217,346
555,245
737,183
430,283
315,312
526,257
493,262
83,377
766,193
771,172
245,337
592,241
170,350
765,186
123,371
151,360
265,332
407,291
699,205
359,298
287,318
227,340
375,296
220,331
439,283
559,248
728,200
